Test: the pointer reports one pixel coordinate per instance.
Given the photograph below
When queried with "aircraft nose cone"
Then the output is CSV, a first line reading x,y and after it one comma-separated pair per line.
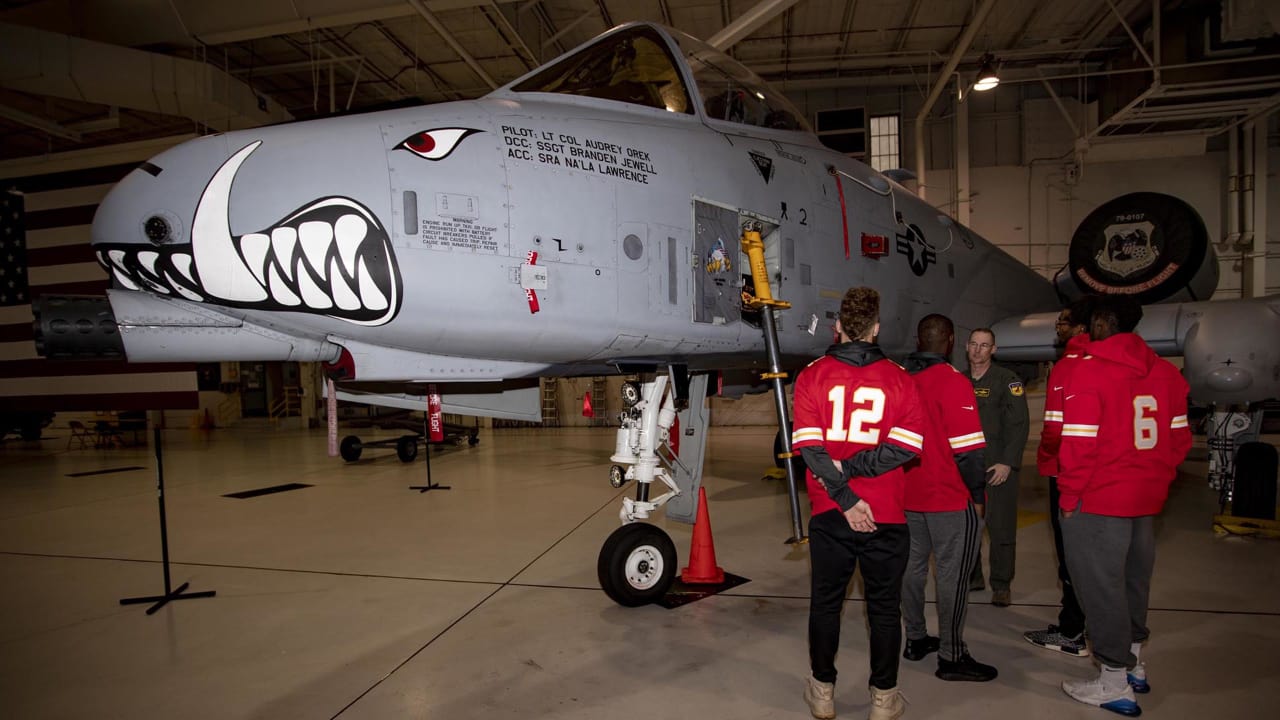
x,y
1229,379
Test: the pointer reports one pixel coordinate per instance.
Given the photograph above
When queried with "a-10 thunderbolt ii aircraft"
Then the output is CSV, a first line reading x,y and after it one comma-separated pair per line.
x,y
584,219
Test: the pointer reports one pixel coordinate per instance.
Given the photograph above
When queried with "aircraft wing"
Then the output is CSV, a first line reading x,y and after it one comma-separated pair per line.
x,y
1230,348
507,401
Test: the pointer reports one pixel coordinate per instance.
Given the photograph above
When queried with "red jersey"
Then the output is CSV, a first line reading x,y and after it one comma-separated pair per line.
x,y
1051,433
1124,429
847,408
952,427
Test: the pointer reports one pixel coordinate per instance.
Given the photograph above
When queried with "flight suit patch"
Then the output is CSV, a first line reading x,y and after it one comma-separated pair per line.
x,y
982,392
1015,389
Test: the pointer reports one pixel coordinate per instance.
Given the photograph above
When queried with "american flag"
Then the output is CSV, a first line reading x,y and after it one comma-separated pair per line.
x,y
44,250
13,252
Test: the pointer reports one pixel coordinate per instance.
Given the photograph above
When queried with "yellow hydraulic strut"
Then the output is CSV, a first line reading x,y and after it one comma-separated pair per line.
x,y
763,301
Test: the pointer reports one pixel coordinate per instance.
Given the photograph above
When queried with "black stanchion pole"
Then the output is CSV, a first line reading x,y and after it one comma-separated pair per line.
x,y
169,594
426,439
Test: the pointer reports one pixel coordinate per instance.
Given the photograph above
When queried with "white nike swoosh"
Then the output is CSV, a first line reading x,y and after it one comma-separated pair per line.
x,y
1056,388
1069,397
966,407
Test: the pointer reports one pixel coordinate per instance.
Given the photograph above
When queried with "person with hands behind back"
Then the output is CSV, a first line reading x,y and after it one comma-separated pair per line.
x,y
858,420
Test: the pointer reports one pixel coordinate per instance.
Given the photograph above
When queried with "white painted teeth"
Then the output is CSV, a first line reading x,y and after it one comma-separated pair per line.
x,y
316,237
254,248
350,231
124,280
280,289
343,297
182,263
369,292
284,240
212,243
148,259
184,292
312,295
319,258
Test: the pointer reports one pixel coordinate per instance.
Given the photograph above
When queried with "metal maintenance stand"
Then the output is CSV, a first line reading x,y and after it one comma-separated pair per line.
x,y
169,594
763,301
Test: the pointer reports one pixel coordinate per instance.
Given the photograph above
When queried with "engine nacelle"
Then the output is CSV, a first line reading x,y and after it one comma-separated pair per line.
x,y
1148,245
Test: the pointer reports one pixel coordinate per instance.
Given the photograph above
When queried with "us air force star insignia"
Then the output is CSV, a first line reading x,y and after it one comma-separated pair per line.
x,y
1015,389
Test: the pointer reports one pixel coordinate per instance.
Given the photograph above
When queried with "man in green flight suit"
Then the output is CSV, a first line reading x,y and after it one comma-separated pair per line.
x,y
1002,408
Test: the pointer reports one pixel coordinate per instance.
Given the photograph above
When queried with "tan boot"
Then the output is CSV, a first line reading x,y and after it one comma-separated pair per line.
x,y
820,697
886,704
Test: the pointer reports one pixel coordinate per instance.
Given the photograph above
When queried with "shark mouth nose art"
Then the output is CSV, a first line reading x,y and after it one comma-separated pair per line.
x,y
329,257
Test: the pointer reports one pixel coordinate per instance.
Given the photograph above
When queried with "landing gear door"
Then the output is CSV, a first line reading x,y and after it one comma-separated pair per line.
x,y
717,284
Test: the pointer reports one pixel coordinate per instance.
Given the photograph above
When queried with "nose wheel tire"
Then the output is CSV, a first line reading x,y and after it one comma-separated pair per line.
x,y
637,564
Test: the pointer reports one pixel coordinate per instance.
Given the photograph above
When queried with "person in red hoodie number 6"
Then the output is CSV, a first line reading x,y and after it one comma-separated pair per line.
x,y
1124,433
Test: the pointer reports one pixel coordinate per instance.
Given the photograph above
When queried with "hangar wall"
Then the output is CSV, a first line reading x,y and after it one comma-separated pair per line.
x,y
1027,194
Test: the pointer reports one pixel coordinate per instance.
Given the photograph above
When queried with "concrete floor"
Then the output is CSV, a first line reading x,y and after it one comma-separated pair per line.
x,y
359,598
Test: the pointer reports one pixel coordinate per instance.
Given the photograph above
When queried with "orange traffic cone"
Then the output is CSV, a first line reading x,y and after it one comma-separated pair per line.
x,y
702,568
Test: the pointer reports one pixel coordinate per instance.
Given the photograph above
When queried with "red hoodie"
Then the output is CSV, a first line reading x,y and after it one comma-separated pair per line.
x,y
951,427
1124,429
852,400
1051,433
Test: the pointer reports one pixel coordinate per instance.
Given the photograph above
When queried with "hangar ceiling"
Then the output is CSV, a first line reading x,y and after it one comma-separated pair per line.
x,y
78,74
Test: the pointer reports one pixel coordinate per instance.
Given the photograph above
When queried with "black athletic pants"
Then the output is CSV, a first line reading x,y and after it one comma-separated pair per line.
x,y
834,551
1071,616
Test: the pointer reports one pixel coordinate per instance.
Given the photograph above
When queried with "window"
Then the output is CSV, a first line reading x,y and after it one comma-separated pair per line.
x,y
632,67
884,143
843,130
732,93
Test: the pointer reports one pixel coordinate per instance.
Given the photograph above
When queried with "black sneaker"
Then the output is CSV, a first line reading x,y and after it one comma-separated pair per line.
x,y
965,669
919,649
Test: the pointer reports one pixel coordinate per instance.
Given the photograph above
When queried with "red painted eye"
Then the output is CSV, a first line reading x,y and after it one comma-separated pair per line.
x,y
421,142
435,144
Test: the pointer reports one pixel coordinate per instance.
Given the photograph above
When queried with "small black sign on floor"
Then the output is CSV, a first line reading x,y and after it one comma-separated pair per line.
x,y
106,471
682,594
266,490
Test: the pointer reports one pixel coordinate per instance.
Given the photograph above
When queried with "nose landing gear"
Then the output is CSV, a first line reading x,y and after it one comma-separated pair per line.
x,y
637,563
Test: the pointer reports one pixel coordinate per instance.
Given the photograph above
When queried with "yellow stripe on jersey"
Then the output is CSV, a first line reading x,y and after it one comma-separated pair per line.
x,y
1070,430
806,434
961,442
1179,421
906,437
1053,416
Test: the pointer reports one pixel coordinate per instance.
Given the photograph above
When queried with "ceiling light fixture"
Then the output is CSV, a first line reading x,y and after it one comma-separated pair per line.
x,y
987,77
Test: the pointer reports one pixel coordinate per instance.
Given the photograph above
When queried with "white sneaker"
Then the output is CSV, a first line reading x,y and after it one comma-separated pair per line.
x,y
1093,692
1138,679
886,704
820,697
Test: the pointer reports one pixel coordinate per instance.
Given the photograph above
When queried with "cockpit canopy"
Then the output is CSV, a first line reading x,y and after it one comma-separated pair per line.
x,y
635,65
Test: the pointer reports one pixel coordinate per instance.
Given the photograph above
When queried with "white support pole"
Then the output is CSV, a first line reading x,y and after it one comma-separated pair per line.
x,y
1233,188
939,84
962,158
1255,265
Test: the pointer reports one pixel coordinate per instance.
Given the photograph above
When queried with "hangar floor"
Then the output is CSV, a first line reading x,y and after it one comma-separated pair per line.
x,y
359,598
